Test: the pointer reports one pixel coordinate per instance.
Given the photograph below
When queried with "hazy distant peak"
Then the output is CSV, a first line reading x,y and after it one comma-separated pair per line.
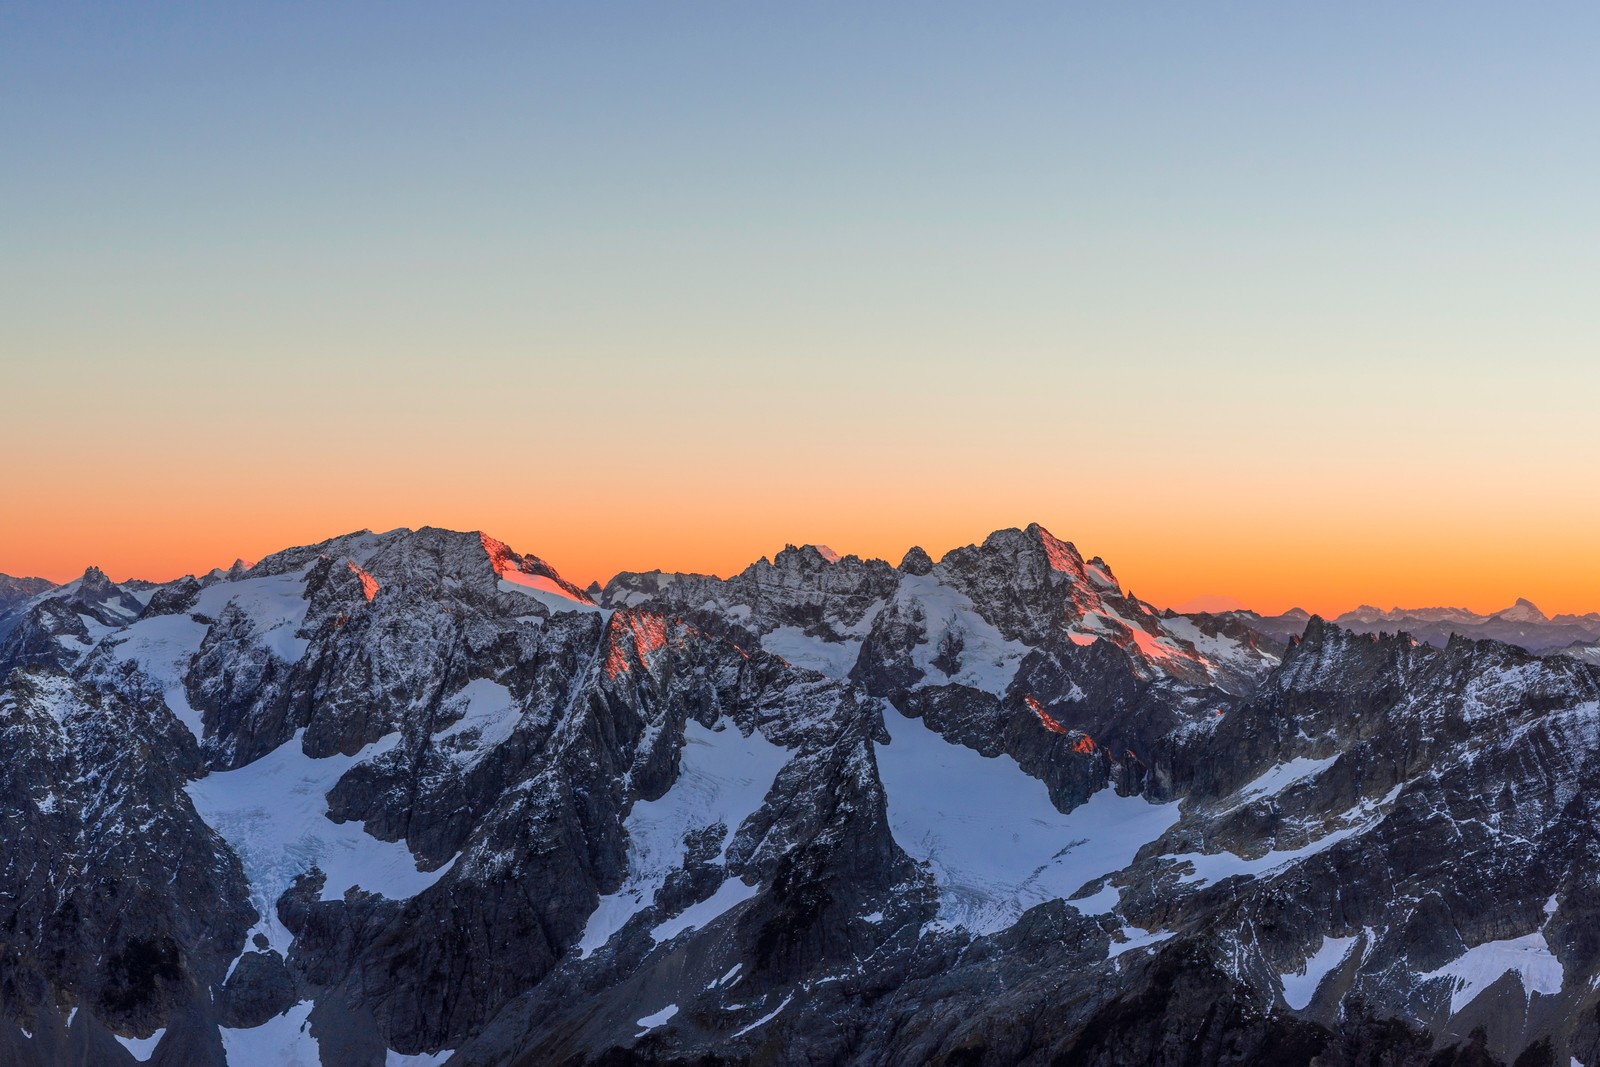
x,y
1522,611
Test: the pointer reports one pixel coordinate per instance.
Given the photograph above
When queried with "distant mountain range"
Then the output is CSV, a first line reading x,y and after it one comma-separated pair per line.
x,y
1522,624
14,591
413,798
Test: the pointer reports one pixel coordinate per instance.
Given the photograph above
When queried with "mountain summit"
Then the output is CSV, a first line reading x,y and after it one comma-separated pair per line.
x,y
1521,611
413,797
1522,624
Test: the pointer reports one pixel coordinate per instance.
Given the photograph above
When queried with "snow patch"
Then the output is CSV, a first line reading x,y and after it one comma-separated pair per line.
x,y
1276,779
650,1022
488,719
274,815
1103,900
995,842
549,593
284,1041
1135,938
1529,957
988,661
97,629
1100,577
418,1059
1299,987
163,646
732,891
722,777
276,605
1217,649
143,1047
1214,867
765,1019
832,658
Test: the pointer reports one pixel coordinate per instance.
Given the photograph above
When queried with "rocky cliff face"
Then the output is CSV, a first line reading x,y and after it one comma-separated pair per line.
x,y
414,798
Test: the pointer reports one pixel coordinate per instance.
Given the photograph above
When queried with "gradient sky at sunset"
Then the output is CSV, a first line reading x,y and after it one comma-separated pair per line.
x,y
1293,303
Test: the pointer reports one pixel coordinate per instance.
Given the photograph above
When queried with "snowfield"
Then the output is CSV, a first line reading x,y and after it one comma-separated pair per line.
x,y
276,605
274,815
988,661
1528,957
1299,988
722,777
996,843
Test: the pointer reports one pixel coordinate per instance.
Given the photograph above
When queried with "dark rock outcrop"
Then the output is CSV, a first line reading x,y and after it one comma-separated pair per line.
x,y
664,822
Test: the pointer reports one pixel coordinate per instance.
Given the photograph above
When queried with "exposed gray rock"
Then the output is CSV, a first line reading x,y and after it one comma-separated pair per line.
x,y
1374,850
916,561
259,989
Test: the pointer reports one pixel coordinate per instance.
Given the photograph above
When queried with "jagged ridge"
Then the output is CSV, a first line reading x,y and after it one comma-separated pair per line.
x,y
421,792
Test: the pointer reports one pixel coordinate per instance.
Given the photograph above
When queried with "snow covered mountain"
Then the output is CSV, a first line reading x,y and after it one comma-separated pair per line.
x,y
13,591
413,798
972,619
1522,624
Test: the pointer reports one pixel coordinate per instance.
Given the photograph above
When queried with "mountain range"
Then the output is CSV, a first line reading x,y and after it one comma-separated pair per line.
x,y
1522,624
413,798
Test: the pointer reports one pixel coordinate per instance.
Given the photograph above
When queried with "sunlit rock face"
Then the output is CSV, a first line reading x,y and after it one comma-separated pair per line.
x,y
415,795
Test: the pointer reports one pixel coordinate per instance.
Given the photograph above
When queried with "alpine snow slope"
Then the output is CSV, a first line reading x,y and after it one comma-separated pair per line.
x,y
412,798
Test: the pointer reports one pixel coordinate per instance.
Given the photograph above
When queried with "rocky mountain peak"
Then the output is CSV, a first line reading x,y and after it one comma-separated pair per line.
x,y
10,586
803,557
15,592
1365,613
1025,560
1522,611
675,828
1328,650
1099,573
501,558
916,561
100,597
1063,555
94,580
1315,631
457,560
1521,624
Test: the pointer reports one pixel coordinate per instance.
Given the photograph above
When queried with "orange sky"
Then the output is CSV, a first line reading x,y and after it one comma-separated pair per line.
x,y
1170,534
1322,482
